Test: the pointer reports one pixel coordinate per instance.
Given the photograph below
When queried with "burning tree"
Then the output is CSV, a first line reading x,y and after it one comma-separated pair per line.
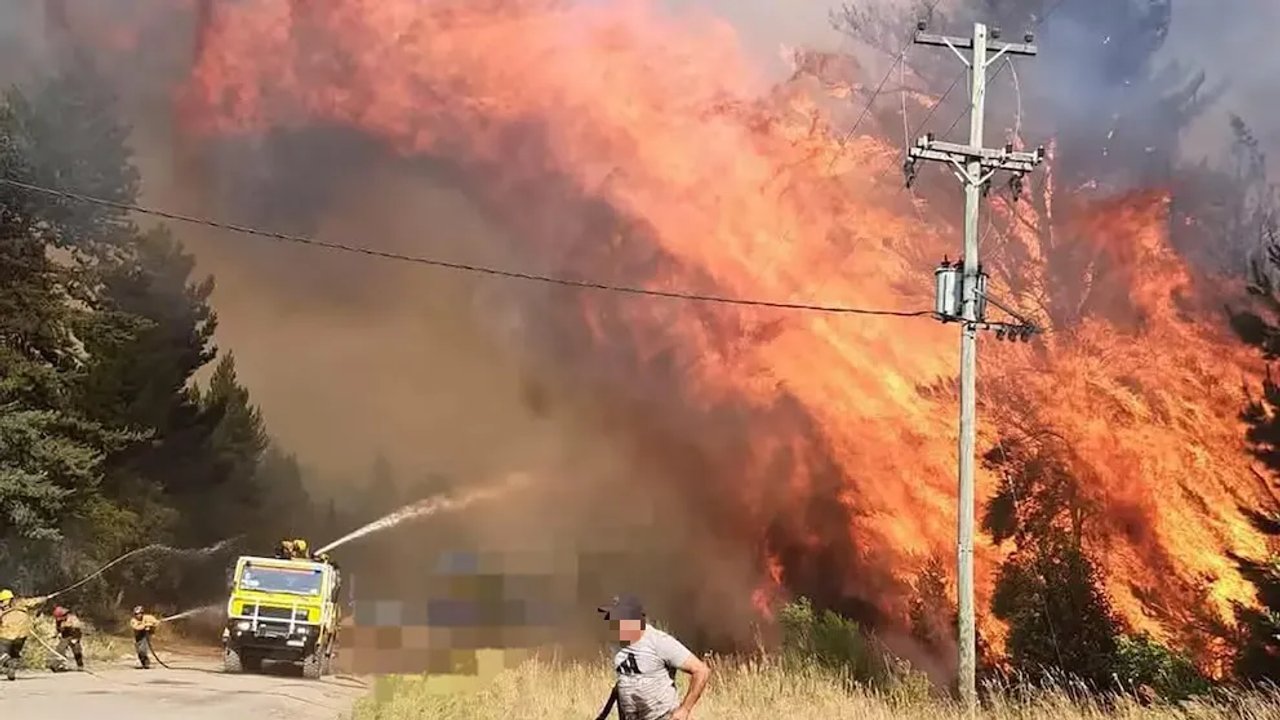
x,y
1256,217
1113,117
1049,590
636,150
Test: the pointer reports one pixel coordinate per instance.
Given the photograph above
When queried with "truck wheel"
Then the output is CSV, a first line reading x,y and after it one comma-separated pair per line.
x,y
312,664
251,663
231,661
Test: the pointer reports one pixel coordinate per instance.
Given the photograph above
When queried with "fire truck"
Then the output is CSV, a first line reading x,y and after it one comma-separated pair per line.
x,y
282,610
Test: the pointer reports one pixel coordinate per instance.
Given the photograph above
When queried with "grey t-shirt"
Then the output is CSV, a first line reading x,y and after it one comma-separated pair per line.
x,y
647,675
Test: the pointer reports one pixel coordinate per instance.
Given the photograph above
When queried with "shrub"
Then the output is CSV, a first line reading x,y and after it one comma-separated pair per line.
x,y
839,645
1140,660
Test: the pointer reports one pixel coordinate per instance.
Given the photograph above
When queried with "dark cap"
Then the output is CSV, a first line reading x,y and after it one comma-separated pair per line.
x,y
622,607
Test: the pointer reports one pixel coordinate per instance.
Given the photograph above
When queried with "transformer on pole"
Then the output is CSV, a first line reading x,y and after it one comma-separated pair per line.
x,y
960,292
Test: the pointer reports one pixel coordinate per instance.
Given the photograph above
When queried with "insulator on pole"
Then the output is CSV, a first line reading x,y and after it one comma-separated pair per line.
x,y
980,304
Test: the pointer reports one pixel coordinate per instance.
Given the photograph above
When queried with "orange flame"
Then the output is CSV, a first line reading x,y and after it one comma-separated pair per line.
x,y
660,117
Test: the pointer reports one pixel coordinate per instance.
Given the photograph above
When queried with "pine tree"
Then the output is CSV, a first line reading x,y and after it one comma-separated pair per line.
x,y
284,506
103,328
1254,221
1258,656
215,486
331,526
1049,589
382,495
224,504
142,377
931,609
70,132
52,454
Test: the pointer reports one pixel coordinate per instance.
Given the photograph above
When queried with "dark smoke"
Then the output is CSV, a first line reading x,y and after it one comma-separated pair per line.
x,y
467,379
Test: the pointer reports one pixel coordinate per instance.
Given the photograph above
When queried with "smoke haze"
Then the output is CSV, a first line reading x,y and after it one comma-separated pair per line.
x,y
469,378
352,311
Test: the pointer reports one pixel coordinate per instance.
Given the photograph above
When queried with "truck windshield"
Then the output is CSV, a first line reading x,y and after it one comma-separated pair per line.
x,y
272,579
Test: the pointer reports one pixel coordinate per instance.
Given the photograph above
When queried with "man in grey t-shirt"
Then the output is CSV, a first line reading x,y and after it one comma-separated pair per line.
x,y
646,665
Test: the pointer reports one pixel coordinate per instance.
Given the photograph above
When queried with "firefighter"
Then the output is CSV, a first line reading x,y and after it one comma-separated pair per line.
x,y
143,626
293,550
15,626
70,632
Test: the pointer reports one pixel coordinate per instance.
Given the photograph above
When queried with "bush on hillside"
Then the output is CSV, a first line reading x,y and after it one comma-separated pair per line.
x,y
1140,660
838,644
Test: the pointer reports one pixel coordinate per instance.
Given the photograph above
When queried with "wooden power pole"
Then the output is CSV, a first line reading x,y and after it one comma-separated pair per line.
x,y
974,165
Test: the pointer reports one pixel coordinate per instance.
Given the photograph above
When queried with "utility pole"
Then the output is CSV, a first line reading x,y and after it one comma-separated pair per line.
x,y
961,290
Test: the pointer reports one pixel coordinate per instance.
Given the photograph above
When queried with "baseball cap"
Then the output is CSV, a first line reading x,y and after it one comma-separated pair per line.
x,y
622,607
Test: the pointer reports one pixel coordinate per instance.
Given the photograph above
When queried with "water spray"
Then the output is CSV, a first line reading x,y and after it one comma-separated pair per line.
x,y
192,611
428,507
146,548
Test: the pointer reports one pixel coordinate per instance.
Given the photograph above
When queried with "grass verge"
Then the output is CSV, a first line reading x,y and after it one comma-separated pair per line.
x,y
540,689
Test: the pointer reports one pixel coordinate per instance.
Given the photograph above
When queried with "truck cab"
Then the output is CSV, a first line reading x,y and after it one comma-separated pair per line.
x,y
281,610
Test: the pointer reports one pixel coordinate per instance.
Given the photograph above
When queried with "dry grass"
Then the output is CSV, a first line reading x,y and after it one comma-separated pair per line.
x,y
544,690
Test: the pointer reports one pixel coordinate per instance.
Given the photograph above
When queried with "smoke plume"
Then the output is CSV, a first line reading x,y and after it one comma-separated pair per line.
x,y
712,452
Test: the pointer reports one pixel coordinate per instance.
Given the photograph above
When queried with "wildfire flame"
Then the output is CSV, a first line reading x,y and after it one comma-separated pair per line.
x,y
742,192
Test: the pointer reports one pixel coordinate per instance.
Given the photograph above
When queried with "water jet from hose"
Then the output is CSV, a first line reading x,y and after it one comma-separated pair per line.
x,y
428,507
146,548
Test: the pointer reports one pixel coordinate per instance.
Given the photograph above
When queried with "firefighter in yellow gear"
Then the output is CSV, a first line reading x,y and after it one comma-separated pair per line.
x,y
15,626
143,625
70,633
293,550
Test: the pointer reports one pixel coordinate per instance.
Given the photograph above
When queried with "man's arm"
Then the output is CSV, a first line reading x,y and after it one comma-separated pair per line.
x,y
700,672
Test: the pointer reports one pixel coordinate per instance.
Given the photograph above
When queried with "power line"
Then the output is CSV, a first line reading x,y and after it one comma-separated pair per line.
x,y
1052,9
463,267
902,53
933,109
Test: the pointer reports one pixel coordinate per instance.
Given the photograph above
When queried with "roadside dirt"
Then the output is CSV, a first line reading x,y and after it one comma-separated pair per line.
x,y
192,688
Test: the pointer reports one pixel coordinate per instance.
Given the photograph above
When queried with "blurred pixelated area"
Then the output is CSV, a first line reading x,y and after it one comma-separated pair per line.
x,y
482,612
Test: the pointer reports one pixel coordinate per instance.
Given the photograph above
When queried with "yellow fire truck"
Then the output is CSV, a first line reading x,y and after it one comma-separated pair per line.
x,y
282,610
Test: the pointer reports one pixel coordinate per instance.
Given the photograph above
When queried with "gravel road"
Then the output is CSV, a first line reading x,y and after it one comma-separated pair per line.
x,y
194,688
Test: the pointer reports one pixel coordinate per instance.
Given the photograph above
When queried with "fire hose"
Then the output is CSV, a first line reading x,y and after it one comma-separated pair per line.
x,y
67,661
5,657
50,648
151,644
64,658
152,650
608,705
211,549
